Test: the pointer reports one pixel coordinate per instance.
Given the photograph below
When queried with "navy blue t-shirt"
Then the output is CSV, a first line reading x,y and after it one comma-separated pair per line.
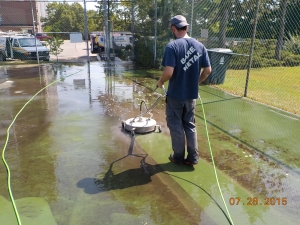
x,y
187,56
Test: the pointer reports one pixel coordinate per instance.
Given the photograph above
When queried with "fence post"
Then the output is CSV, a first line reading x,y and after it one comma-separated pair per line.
x,y
86,32
105,27
252,47
132,29
192,18
34,33
108,31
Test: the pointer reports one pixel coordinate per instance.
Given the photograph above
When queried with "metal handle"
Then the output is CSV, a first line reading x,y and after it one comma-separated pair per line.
x,y
163,87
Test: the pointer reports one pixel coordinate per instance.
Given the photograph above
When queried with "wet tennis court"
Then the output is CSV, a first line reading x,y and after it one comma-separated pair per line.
x,y
72,163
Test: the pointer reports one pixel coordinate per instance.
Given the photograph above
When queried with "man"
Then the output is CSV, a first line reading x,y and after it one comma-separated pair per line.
x,y
183,60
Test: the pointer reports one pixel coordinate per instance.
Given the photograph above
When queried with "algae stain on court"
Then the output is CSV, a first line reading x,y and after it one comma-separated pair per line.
x,y
90,170
67,141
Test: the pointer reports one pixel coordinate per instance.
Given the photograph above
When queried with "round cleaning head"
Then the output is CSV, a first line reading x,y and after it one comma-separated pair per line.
x,y
140,125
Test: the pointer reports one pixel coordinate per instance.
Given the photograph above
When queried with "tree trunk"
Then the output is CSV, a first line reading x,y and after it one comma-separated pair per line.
x,y
281,30
223,25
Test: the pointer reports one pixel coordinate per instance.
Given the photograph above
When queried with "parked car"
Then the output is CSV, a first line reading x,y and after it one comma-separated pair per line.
x,y
42,36
22,47
2,49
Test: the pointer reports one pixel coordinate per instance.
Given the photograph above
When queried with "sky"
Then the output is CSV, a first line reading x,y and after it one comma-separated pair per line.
x,y
90,4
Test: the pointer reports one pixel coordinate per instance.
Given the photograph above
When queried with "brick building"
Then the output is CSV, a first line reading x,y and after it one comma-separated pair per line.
x,y
19,15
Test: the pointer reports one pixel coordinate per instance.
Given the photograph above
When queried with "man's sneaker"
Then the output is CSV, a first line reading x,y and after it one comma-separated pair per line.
x,y
173,160
186,162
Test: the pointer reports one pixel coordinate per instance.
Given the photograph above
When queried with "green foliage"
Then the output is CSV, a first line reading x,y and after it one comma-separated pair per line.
x,y
290,59
264,55
54,45
293,17
293,44
123,53
94,20
260,62
64,17
207,14
144,51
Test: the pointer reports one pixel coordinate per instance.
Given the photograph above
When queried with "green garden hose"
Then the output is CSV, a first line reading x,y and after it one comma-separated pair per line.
x,y
7,138
212,159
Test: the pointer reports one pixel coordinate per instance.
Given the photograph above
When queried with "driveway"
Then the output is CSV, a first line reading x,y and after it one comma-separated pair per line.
x,y
74,52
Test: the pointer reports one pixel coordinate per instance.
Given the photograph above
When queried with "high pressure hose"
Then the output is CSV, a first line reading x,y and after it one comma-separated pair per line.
x,y
6,142
213,162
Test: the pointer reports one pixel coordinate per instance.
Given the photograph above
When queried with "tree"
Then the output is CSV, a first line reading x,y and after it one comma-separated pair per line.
x,y
293,17
54,45
95,20
63,17
281,31
121,16
223,15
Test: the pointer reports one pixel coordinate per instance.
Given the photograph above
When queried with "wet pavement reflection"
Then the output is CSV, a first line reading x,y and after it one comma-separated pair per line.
x,y
69,155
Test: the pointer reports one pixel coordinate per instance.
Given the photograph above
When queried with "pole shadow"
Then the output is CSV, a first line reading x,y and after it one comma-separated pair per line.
x,y
137,176
131,177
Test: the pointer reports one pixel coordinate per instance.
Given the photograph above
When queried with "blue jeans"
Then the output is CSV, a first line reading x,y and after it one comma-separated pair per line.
x,y
181,122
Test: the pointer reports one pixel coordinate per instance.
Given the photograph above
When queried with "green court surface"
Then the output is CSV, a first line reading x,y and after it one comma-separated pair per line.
x,y
70,157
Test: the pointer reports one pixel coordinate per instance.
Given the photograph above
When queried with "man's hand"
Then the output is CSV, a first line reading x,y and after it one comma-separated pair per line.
x,y
160,83
204,74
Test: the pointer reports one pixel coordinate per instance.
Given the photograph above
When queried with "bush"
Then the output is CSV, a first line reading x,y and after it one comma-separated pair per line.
x,y
264,54
293,60
123,53
260,62
143,52
54,45
293,44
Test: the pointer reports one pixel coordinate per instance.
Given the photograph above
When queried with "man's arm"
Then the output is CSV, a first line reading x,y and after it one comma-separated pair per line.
x,y
166,75
204,74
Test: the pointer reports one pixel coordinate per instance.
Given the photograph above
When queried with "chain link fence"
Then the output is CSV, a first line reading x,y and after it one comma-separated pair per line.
x,y
254,45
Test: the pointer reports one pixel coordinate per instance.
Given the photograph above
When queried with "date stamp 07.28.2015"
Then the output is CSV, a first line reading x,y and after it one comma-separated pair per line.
x,y
253,201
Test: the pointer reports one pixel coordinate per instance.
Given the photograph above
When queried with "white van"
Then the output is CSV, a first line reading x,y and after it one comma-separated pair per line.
x,y
3,49
123,41
22,47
